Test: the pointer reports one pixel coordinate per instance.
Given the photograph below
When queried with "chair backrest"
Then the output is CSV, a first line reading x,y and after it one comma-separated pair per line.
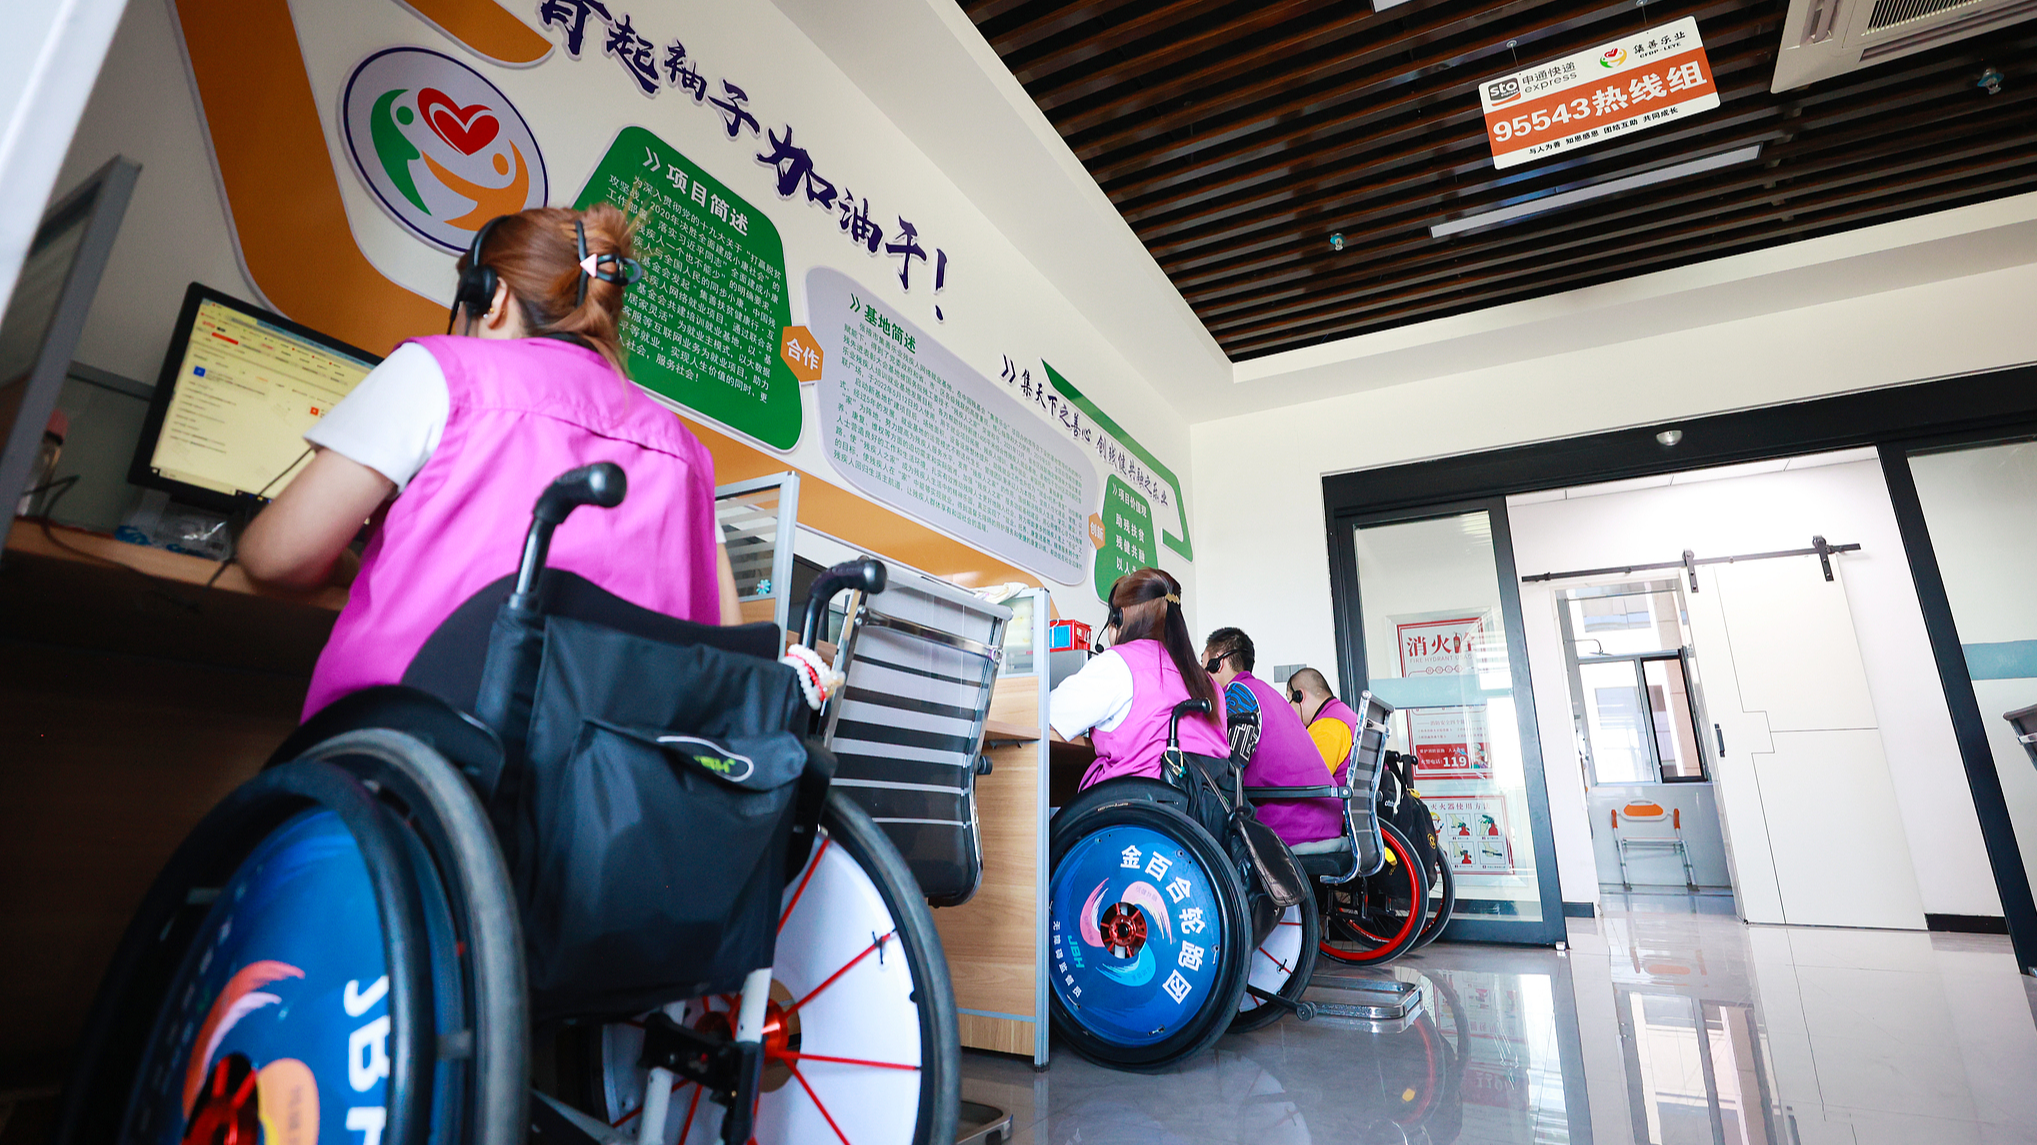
x,y
1362,777
921,660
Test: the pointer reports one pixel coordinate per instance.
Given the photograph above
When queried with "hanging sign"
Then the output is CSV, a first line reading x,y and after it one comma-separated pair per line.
x,y
1582,99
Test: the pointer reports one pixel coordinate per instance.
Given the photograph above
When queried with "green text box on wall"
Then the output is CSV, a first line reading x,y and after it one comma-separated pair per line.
x,y
703,326
1127,536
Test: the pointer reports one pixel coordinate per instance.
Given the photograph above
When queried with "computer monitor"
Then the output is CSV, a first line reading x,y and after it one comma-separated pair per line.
x,y
238,389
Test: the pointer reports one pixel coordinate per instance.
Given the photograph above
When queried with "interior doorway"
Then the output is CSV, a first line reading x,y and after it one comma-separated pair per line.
x,y
1636,713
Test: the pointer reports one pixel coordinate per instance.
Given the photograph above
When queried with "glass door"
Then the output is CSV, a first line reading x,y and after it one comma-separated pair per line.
x,y
1431,623
1979,508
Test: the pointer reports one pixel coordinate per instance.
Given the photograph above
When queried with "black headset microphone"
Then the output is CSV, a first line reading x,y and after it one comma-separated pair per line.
x,y
475,292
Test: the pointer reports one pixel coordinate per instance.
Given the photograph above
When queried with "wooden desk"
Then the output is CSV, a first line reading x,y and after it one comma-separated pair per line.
x,y
125,715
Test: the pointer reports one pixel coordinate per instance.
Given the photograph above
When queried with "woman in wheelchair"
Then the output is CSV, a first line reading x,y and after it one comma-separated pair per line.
x,y
562,825
1164,925
1122,698
448,442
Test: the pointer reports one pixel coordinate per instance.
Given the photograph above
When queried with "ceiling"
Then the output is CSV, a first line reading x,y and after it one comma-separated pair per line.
x,y
1235,136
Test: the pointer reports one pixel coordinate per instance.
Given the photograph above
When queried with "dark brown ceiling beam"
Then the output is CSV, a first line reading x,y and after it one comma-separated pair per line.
x,y
1462,156
1218,173
1008,36
1401,252
1884,202
1247,272
1309,194
1453,70
1163,36
1308,76
1553,237
1196,61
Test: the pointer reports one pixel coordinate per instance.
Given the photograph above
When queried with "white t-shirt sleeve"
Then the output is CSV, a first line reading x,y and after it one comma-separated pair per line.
x,y
1098,696
393,419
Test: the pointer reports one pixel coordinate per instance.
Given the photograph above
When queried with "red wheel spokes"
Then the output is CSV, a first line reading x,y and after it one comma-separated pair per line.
x,y
1275,961
812,865
832,978
691,1106
796,1056
801,1078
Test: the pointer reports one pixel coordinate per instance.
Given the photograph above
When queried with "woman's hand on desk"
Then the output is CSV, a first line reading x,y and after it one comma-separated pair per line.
x,y
300,540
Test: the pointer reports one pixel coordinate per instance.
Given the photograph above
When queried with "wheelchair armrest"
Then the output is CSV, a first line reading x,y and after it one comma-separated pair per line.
x,y
1297,793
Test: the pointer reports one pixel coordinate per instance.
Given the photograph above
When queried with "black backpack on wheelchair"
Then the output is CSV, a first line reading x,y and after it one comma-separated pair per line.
x,y
575,814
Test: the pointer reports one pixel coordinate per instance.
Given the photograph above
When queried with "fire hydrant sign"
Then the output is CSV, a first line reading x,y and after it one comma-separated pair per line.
x,y
1645,80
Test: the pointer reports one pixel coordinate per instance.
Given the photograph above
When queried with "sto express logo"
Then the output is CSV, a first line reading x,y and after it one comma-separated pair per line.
x,y
441,147
1503,91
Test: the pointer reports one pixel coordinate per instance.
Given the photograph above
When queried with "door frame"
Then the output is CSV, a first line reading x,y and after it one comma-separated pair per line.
x,y
1353,676
1992,405
1969,726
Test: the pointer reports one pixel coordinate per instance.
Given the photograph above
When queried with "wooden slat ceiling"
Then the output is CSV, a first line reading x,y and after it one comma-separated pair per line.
x,y
1237,135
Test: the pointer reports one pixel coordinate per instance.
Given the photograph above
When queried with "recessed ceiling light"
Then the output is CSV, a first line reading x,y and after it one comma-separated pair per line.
x,y
1596,191
1668,438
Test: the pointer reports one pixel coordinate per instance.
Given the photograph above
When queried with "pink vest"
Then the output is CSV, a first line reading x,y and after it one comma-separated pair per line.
x,y
1287,757
523,412
1134,746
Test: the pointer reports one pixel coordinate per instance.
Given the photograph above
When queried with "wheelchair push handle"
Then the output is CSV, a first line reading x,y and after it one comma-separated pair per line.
x,y
1189,707
864,575
603,484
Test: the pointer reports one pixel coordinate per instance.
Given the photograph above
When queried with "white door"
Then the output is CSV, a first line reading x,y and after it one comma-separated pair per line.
x,y
1811,822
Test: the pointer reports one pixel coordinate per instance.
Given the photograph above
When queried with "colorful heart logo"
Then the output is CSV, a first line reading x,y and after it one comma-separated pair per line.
x,y
466,129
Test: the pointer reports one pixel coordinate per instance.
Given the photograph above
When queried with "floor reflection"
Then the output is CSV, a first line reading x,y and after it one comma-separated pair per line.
x,y
1666,1022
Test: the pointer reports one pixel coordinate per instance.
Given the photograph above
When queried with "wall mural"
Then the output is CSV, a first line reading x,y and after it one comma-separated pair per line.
x,y
1025,470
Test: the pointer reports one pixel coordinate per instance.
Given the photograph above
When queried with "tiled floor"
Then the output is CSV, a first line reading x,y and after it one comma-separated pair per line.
x,y
1666,1022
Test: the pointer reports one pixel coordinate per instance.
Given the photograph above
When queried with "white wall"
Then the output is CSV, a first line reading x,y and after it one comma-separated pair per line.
x,y
997,302
1763,512
1261,544
48,60
175,231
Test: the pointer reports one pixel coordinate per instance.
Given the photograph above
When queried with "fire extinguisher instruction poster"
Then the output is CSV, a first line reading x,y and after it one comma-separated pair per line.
x,y
1447,742
1473,832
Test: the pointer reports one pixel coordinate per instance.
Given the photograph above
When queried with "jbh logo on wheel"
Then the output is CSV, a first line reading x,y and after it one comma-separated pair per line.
x,y
440,146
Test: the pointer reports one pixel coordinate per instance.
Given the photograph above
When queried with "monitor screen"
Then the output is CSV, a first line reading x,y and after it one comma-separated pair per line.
x,y
239,387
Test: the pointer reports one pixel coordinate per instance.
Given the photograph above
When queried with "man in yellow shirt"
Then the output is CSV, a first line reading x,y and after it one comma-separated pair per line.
x,y
1331,723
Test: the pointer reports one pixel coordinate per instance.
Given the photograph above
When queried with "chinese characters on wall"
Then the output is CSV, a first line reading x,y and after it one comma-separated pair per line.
x,y
656,65
702,327
906,421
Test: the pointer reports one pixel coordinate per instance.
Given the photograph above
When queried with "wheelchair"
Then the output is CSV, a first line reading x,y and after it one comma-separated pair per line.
x,y
1375,888
575,818
1174,916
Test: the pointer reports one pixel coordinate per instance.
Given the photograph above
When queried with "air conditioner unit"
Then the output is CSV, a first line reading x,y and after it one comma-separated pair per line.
x,y
1826,38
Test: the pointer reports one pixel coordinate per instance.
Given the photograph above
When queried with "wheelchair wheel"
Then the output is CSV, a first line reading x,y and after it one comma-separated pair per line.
x,y
1442,900
1282,964
478,951
861,1043
1149,941
1377,919
281,978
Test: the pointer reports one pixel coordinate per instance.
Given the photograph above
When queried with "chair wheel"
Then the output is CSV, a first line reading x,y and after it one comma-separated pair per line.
x,y
1305,1011
1148,937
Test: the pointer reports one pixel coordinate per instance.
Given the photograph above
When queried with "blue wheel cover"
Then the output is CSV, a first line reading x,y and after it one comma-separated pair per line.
x,y
278,1032
1135,935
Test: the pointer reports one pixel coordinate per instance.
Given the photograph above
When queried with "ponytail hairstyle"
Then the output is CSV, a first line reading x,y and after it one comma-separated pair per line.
x,y
1150,601
537,253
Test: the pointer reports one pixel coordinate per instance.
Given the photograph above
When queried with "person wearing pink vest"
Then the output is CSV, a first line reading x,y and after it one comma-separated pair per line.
x,y
448,443
1122,699
1285,756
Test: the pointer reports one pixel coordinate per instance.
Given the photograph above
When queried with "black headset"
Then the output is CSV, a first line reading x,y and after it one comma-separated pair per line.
x,y
475,292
